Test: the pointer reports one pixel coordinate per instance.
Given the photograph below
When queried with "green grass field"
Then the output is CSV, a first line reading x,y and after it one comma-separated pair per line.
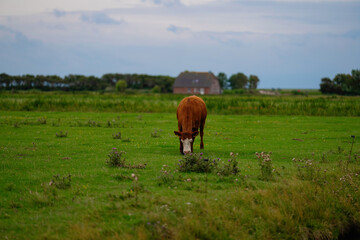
x,y
312,105
317,199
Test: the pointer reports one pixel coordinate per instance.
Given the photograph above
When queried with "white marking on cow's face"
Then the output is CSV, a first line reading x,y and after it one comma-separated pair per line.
x,y
186,145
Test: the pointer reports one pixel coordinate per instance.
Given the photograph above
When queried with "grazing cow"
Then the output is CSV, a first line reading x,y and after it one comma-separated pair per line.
x,y
191,115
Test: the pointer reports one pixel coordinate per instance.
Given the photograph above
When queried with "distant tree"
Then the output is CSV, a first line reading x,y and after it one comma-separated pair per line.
x,y
94,83
238,80
110,78
55,82
343,83
121,85
85,83
356,81
253,81
156,89
5,81
222,80
27,81
327,85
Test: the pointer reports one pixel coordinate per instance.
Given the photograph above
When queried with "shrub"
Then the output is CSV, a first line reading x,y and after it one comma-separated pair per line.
x,y
121,85
156,89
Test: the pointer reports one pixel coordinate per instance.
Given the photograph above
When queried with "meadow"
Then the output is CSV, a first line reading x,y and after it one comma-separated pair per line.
x,y
311,105
58,181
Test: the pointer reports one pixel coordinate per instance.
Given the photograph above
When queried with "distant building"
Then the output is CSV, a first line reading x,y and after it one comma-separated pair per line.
x,y
196,83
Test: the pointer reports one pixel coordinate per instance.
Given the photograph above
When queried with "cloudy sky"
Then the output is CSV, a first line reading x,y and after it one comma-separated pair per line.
x,y
286,43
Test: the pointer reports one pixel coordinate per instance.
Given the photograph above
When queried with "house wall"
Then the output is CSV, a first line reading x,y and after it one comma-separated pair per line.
x,y
215,87
191,90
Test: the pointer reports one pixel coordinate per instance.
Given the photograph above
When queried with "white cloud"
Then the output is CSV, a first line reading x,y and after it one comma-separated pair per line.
x,y
26,7
59,13
177,29
168,3
99,18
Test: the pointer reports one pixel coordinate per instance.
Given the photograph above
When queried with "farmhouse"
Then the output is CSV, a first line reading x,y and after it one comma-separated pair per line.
x,y
196,83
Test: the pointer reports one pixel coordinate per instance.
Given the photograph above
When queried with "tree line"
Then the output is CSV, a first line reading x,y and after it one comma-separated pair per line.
x,y
73,82
85,83
342,84
238,81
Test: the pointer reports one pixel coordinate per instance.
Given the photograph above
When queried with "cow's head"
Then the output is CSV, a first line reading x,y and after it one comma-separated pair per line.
x,y
186,138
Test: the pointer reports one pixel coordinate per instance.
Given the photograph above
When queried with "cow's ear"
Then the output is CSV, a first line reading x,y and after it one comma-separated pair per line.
x,y
194,134
177,133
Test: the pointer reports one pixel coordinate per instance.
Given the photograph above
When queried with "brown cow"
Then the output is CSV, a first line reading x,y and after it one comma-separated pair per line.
x,y
191,115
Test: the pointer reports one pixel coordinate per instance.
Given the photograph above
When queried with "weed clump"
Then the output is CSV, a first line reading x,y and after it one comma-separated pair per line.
x,y
306,169
266,166
112,124
230,167
48,196
92,123
156,133
61,182
166,175
62,134
349,187
121,177
42,120
10,187
33,148
117,135
136,187
116,158
14,205
195,162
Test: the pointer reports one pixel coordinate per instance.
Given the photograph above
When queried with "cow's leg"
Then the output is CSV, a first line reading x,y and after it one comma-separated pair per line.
x,y
181,147
201,135
181,144
192,143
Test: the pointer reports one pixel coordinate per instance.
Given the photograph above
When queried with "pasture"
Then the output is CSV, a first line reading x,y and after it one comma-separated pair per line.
x,y
56,181
312,105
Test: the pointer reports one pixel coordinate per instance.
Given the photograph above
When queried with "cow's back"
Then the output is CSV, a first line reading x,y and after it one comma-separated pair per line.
x,y
191,109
